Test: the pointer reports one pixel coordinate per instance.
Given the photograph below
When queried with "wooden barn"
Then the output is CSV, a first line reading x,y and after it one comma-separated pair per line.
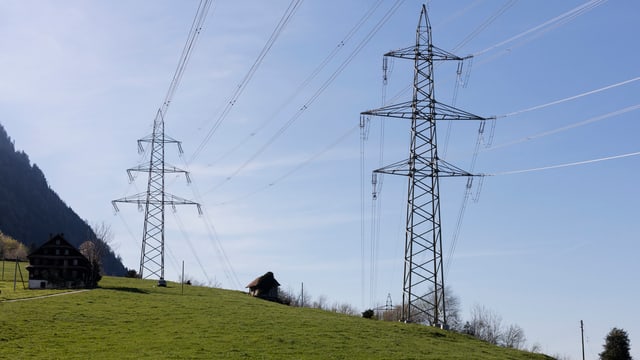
x,y
264,287
59,265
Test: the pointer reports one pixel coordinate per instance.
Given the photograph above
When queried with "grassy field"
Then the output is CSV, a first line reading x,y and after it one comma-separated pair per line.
x,y
14,283
131,318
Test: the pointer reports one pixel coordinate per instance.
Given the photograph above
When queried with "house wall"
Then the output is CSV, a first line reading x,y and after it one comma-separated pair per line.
x,y
37,284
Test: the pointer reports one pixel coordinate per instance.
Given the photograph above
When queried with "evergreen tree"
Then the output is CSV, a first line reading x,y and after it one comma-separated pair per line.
x,y
616,346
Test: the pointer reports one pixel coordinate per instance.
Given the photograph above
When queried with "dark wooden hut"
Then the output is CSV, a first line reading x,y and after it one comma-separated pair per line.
x,y
264,287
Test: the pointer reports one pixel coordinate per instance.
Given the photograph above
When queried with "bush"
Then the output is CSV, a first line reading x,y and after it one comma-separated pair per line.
x,y
368,314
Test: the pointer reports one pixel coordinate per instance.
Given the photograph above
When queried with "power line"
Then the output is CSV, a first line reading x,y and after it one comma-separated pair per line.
x,y
295,169
614,157
549,24
341,45
485,24
591,92
194,253
284,21
468,188
567,127
314,97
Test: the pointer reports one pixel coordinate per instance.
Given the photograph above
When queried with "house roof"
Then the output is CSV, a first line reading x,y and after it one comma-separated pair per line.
x,y
265,281
58,241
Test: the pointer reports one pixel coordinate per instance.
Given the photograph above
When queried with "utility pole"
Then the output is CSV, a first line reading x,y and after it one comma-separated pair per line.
x,y
423,284
582,334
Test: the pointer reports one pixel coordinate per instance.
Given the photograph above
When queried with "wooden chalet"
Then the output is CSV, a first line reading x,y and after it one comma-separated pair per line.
x,y
58,265
264,287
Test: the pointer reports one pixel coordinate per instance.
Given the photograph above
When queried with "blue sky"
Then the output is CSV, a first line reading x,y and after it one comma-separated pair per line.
x,y
544,249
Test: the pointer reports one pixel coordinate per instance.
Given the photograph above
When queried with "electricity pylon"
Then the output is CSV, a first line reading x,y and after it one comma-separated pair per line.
x,y
423,286
155,199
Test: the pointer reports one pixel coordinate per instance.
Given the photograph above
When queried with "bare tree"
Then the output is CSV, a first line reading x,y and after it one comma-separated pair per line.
x,y
485,324
289,297
97,247
452,306
344,308
394,314
513,337
536,348
561,357
321,303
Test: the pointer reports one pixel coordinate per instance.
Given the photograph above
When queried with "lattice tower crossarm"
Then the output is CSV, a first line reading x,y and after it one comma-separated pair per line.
x,y
154,200
423,283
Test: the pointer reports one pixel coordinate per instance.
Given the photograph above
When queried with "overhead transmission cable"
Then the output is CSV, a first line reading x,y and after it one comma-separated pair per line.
x,y
298,167
570,126
584,162
307,80
458,13
462,79
591,92
485,24
227,267
488,145
313,97
567,127
534,32
364,134
548,25
223,258
284,21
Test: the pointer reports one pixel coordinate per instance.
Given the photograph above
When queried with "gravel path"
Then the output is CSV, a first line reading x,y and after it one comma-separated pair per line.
x,y
46,296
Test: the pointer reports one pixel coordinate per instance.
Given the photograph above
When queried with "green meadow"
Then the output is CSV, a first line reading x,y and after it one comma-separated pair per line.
x,y
134,319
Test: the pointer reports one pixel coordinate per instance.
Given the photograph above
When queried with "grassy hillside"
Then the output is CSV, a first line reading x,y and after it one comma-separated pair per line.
x,y
131,318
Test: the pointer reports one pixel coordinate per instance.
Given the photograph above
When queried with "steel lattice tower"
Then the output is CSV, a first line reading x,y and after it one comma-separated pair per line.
x,y
155,199
423,296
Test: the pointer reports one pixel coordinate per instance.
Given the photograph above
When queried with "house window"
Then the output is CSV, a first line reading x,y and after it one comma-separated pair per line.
x,y
57,251
75,261
66,251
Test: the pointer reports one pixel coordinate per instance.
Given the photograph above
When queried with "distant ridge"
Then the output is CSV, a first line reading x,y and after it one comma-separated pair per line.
x,y
30,211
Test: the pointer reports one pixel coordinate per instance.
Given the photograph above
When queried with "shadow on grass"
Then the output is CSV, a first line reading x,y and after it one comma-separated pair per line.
x,y
126,289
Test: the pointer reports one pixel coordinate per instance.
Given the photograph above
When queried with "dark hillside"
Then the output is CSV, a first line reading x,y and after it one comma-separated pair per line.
x,y
30,211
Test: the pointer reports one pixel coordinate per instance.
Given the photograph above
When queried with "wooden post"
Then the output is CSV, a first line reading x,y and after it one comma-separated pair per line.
x,y
182,277
15,276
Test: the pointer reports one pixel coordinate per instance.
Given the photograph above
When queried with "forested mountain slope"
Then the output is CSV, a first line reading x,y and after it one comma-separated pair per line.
x,y
30,211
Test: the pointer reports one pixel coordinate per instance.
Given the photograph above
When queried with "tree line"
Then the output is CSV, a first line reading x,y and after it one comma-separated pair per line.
x,y
483,323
